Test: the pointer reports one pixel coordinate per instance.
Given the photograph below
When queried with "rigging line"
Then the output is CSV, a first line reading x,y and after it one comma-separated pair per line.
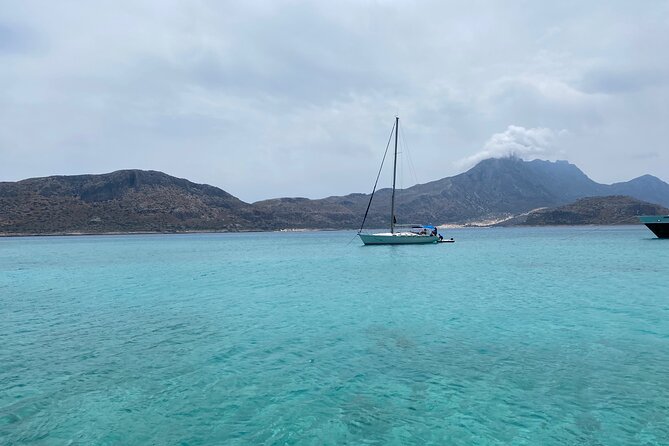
x,y
351,241
398,166
401,168
377,179
412,168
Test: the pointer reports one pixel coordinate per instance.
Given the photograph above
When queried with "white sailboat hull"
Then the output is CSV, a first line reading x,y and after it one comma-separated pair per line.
x,y
398,238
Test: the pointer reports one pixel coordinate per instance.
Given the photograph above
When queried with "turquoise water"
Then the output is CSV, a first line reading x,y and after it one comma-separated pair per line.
x,y
551,336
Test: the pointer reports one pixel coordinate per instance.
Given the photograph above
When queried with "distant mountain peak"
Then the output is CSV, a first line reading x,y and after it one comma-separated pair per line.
x,y
646,179
511,160
514,164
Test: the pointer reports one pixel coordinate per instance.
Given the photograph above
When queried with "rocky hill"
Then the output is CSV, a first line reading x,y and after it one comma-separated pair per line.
x,y
137,201
122,201
611,210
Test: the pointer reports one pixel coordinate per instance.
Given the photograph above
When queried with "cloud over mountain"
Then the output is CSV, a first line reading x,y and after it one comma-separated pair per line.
x,y
519,142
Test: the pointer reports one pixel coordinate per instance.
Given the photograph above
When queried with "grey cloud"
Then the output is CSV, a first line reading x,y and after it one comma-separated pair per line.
x,y
645,155
615,80
268,99
18,39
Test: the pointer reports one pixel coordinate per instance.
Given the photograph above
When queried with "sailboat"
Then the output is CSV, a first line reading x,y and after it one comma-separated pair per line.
x,y
418,234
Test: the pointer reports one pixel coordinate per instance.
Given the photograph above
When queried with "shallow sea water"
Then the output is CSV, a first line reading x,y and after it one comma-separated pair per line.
x,y
526,336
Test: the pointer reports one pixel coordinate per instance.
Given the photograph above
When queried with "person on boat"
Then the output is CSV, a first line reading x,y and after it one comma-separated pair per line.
x,y
441,237
434,231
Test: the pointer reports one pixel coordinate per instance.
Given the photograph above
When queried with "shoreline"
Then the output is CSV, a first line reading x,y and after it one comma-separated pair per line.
x,y
473,225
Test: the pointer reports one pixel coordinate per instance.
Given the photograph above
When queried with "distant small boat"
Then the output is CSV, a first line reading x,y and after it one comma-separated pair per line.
x,y
415,235
659,224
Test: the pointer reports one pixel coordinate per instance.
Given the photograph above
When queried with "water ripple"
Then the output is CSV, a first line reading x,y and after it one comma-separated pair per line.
x,y
521,336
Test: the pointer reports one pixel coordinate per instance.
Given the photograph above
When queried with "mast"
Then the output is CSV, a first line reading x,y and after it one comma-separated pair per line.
x,y
392,202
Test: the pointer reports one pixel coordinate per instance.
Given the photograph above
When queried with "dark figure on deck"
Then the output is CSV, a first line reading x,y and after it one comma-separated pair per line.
x,y
434,231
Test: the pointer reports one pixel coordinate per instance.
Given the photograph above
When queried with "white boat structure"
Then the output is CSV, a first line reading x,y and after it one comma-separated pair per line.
x,y
398,238
415,234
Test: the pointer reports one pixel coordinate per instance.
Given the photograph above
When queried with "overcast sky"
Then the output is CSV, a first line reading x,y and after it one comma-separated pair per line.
x,y
293,98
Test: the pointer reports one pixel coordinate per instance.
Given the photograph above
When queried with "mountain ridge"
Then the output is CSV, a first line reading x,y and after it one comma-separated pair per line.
x,y
145,200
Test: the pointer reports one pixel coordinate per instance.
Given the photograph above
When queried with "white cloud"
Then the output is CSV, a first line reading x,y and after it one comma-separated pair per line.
x,y
520,142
